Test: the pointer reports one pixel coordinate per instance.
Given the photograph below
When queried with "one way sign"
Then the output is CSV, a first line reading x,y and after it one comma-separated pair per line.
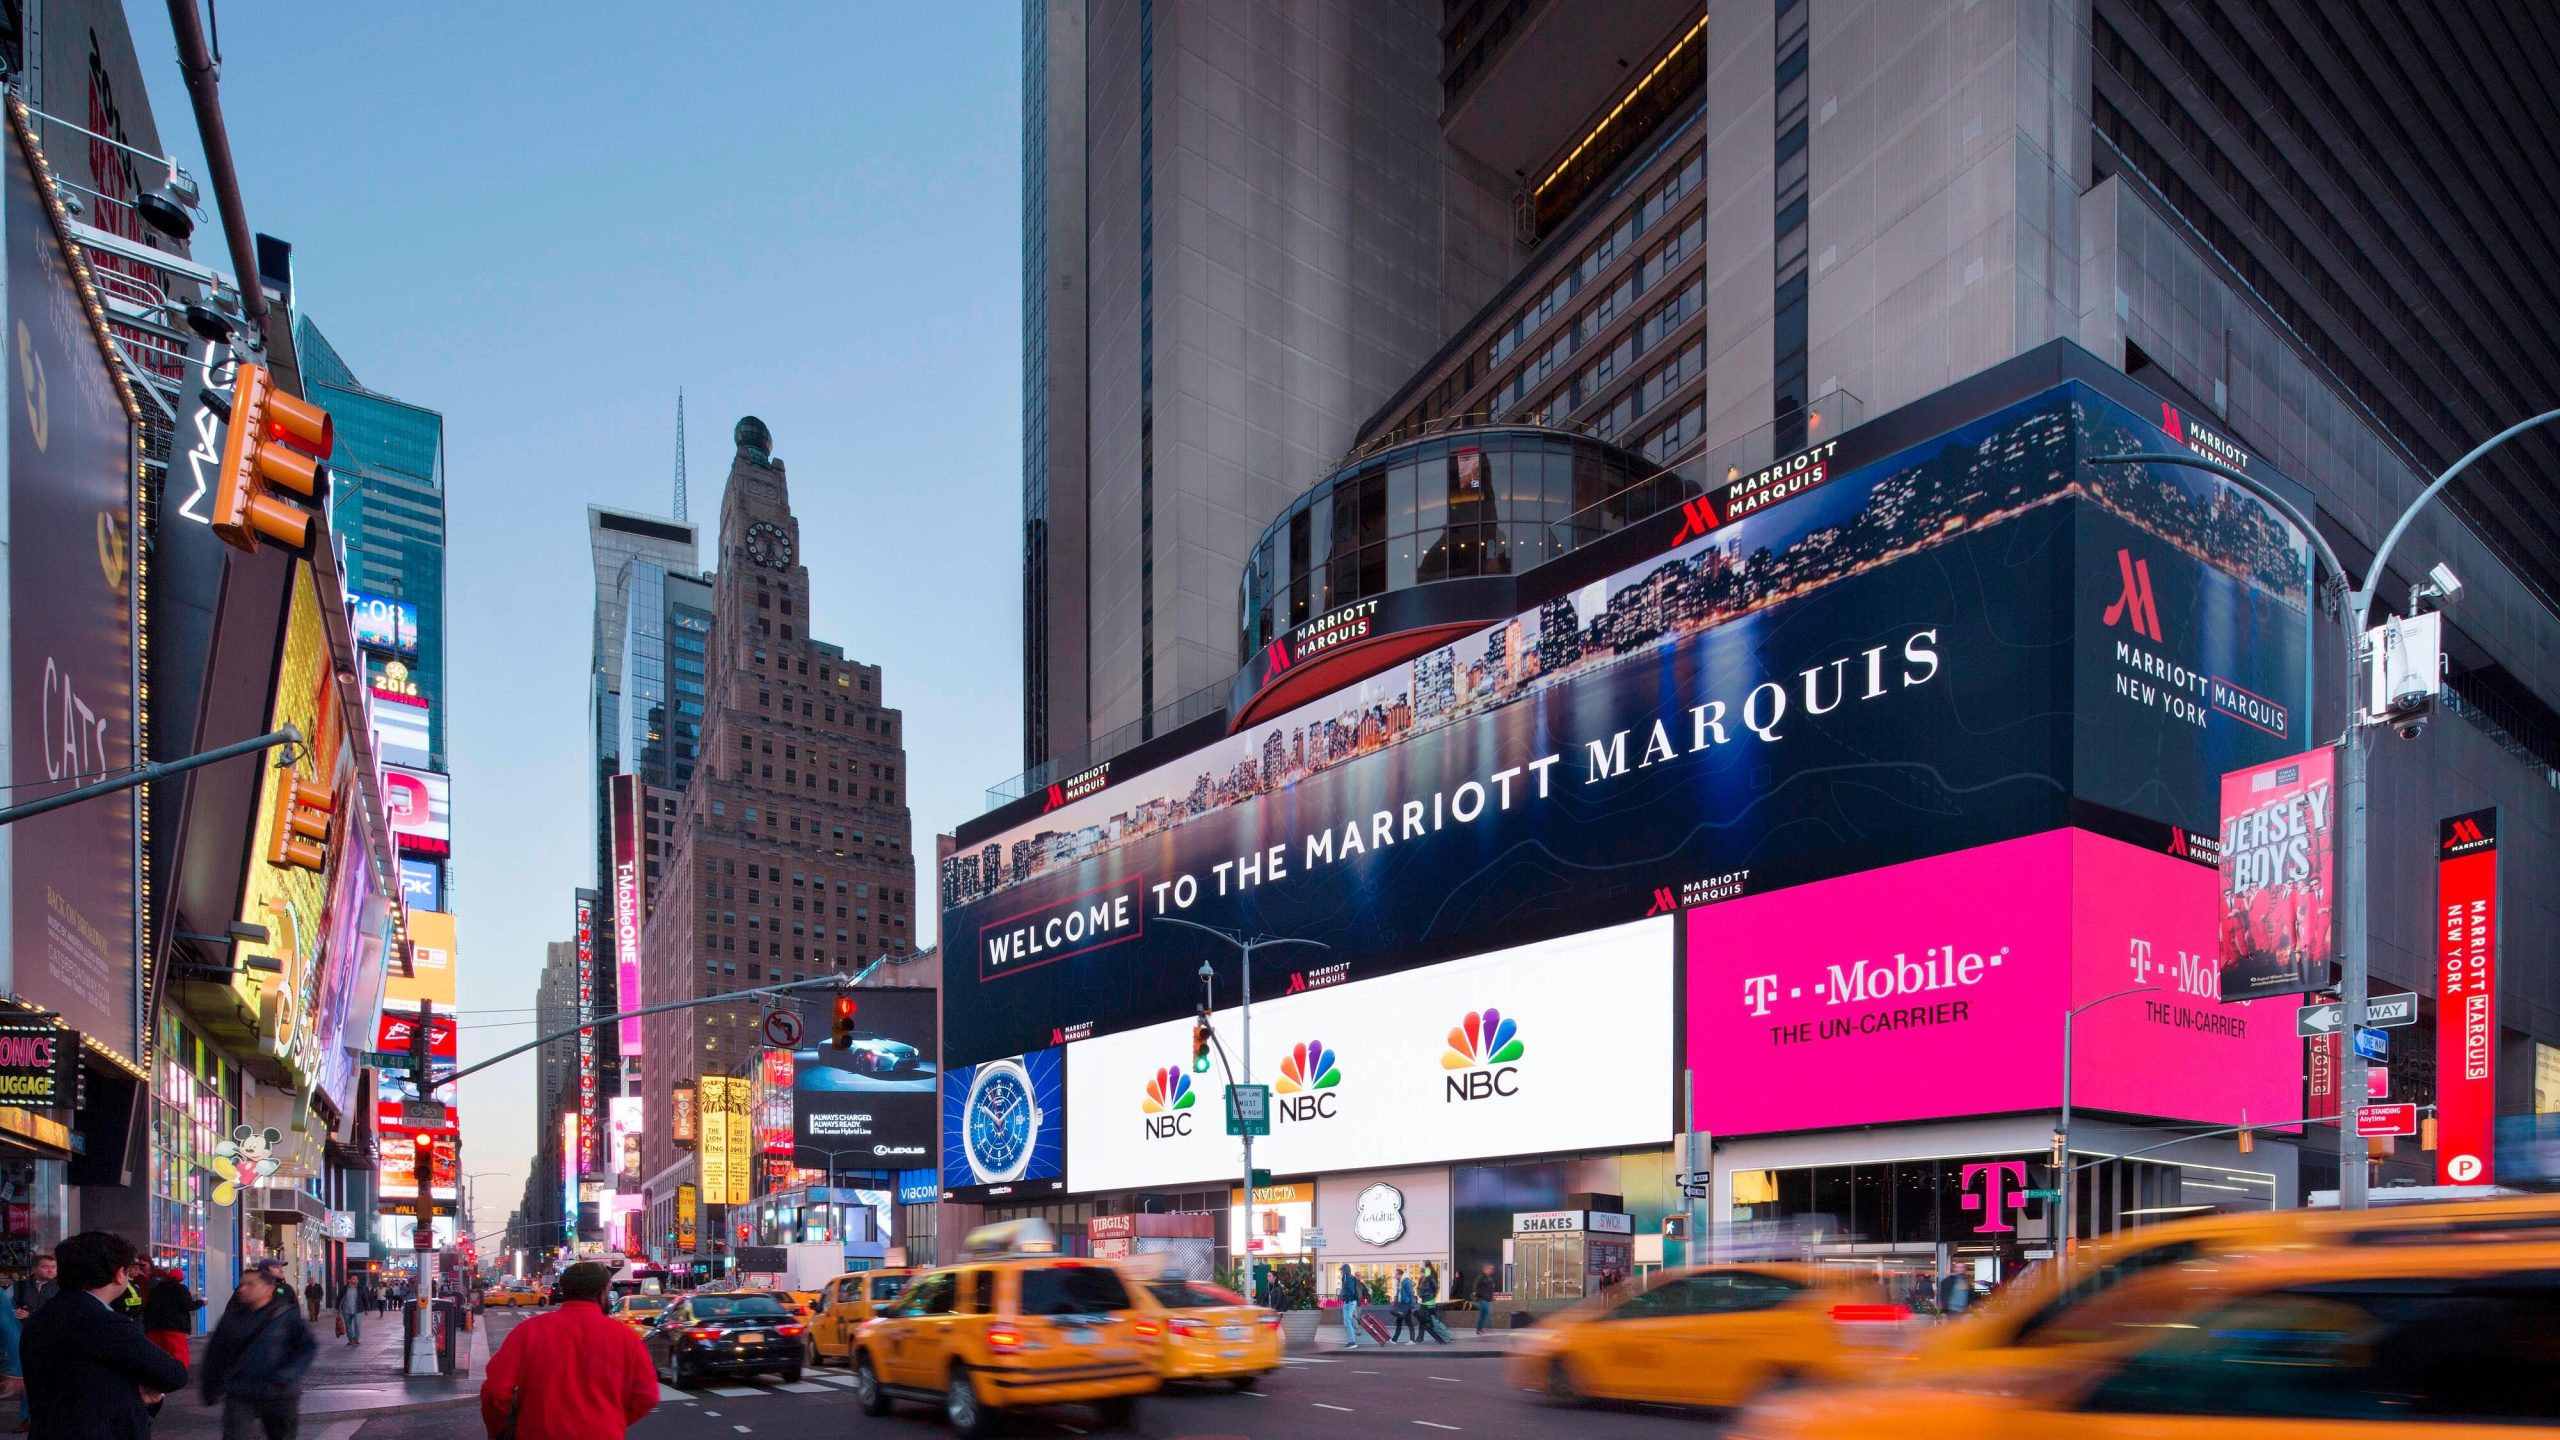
x,y
2387,1011
2314,1020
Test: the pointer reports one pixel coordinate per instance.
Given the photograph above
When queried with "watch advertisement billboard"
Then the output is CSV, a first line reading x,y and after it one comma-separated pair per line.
x,y
2279,867
72,658
630,906
1937,987
1004,1127
1912,657
2467,998
871,1106
1562,1045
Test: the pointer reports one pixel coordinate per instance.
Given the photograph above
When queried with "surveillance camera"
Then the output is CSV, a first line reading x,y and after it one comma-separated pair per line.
x,y
2448,585
2410,726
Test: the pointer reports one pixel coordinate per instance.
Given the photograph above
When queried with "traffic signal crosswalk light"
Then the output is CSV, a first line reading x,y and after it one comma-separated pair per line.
x,y
1200,1046
302,822
845,1008
275,444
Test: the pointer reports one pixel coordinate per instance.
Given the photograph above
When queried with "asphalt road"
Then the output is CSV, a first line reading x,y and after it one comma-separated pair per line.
x,y
1331,1398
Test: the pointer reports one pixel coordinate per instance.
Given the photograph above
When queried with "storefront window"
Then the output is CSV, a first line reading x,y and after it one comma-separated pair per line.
x,y
193,1108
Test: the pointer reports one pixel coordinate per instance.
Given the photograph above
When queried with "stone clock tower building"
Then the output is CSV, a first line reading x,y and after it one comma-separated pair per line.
x,y
789,855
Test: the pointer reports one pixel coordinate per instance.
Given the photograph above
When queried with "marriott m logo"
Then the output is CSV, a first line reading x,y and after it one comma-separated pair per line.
x,y
1057,797
1665,902
2136,602
1276,656
2463,832
1697,517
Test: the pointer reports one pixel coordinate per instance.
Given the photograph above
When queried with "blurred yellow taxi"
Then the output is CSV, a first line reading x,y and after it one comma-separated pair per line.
x,y
1212,1333
2042,1315
641,1311
2336,1344
1715,1335
846,1302
511,1294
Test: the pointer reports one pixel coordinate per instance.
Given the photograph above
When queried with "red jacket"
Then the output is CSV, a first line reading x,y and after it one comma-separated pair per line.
x,y
573,1374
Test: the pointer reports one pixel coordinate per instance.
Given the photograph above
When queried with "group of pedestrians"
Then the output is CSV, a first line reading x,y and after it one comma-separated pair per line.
x,y
1413,1296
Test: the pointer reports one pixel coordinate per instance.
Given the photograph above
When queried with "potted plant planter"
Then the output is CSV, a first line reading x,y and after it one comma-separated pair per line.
x,y
1298,1327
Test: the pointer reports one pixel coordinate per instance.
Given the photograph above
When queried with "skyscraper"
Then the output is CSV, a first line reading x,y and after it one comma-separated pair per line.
x,y
789,854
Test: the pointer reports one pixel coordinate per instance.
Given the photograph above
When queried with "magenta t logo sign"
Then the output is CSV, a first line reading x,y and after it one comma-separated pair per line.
x,y
2004,1184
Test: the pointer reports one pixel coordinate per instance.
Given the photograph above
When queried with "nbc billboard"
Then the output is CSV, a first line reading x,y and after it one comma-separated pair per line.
x,y
1561,1045
1958,634
1937,988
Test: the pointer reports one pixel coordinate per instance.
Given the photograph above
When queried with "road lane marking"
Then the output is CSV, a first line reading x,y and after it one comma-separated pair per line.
x,y
1434,1424
805,1388
1445,1379
1366,1372
668,1395
734,1391
841,1381
1345,1409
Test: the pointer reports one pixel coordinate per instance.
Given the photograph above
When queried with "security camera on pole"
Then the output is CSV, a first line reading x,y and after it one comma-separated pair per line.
x,y
2402,707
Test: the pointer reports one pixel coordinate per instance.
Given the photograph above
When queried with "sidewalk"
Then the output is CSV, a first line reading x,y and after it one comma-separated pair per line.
x,y
1464,1343
349,1381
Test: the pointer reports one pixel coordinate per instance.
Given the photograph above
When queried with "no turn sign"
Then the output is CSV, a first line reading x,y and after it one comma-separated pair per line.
x,y
782,1029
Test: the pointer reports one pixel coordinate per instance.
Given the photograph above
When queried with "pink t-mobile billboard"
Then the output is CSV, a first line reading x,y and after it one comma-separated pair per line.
x,y
1937,988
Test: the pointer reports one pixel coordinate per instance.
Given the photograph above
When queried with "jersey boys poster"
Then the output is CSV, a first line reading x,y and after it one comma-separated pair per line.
x,y
2279,882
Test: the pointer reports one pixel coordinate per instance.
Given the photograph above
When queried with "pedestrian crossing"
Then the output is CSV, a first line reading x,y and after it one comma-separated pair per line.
x,y
815,1383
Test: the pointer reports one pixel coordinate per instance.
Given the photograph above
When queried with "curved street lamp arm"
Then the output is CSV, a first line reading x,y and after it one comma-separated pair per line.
x,y
2382,552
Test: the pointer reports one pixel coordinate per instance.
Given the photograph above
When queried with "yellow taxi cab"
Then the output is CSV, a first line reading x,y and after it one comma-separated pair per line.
x,y
2336,1344
511,1294
1013,1324
803,1304
1713,1335
2043,1315
844,1303
641,1311
1212,1333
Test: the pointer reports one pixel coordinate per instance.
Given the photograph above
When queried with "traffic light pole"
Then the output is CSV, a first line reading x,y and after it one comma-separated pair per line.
x,y
1244,948
145,774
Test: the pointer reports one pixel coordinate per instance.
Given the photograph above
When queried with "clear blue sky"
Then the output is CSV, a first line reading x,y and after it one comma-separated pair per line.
x,y
541,220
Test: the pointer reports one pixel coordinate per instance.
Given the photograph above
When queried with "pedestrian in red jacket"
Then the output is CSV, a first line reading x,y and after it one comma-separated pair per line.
x,y
572,1374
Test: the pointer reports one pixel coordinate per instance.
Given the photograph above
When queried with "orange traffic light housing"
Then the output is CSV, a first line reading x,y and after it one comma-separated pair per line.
x,y
1200,1045
845,1008
302,822
276,442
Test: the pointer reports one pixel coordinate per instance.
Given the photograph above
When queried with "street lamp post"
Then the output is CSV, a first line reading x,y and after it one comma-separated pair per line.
x,y
2062,1132
2356,613
1244,948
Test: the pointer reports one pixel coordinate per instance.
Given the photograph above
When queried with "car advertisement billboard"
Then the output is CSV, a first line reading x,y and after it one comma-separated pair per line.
x,y
1889,665
870,1106
2279,854
73,664
1561,1045
1937,988
1004,1127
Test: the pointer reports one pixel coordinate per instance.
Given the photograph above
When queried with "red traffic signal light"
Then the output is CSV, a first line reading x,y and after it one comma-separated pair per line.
x,y
276,441
302,822
843,1034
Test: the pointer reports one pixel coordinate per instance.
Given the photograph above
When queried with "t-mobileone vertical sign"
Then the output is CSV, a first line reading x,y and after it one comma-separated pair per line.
x,y
587,1036
2466,997
627,902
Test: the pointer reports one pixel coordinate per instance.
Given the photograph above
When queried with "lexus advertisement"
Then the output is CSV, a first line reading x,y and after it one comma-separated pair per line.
x,y
1910,656
1561,1045
869,1106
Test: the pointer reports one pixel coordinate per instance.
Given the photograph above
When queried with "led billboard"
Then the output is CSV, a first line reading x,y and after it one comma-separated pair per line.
x,y
401,731
383,624
630,904
1004,1127
431,971
1936,988
871,1106
1920,650
1561,1045
418,806
421,883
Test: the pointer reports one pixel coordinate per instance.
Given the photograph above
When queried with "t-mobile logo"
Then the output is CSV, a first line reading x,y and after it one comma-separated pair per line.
x,y
1758,991
2003,1189
2136,601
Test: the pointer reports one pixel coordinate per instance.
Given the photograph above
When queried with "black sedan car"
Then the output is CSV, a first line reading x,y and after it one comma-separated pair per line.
x,y
738,1333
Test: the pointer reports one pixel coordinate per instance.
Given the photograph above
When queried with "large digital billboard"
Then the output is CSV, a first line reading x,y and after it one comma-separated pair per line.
x,y
630,905
1004,1127
418,804
1561,1045
872,1105
431,968
383,624
1936,988
2467,997
2279,848
1911,655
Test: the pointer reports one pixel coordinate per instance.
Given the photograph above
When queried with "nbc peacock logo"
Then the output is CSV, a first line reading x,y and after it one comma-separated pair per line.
x,y
1309,1074
1481,1057
1168,1103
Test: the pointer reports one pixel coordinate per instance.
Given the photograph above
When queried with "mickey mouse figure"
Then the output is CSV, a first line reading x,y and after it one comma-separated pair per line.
x,y
248,1158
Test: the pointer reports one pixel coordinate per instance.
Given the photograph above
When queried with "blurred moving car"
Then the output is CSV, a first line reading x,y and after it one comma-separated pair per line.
x,y
2433,1340
2041,1312
1212,1333
802,1303
1713,1335
844,1304
740,1333
1013,1324
641,1311
511,1293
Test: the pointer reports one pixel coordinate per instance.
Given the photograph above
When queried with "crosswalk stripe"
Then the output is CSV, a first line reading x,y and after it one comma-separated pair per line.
x,y
804,1388
736,1390
844,1381
668,1395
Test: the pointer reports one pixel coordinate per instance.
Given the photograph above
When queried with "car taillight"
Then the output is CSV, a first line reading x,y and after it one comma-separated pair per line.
x,y
1004,1340
1270,1319
1151,1328
1870,1314
786,1329
702,1334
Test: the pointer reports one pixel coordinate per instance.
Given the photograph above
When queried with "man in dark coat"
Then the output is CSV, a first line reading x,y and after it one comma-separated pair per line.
x,y
255,1362
90,1373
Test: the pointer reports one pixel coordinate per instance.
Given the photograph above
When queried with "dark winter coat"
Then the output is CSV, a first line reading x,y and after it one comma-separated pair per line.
x,y
258,1354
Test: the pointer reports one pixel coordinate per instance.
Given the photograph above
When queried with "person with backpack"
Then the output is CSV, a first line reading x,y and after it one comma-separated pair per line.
x,y
169,1313
1350,1296
257,1357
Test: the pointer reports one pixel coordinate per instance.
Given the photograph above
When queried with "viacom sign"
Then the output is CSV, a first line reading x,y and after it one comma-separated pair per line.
x,y
1561,1045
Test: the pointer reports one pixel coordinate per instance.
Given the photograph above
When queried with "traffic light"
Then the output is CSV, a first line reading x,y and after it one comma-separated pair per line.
x,y
426,1178
2248,1141
2059,1156
302,822
276,441
845,1007
2427,1133
1200,1045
